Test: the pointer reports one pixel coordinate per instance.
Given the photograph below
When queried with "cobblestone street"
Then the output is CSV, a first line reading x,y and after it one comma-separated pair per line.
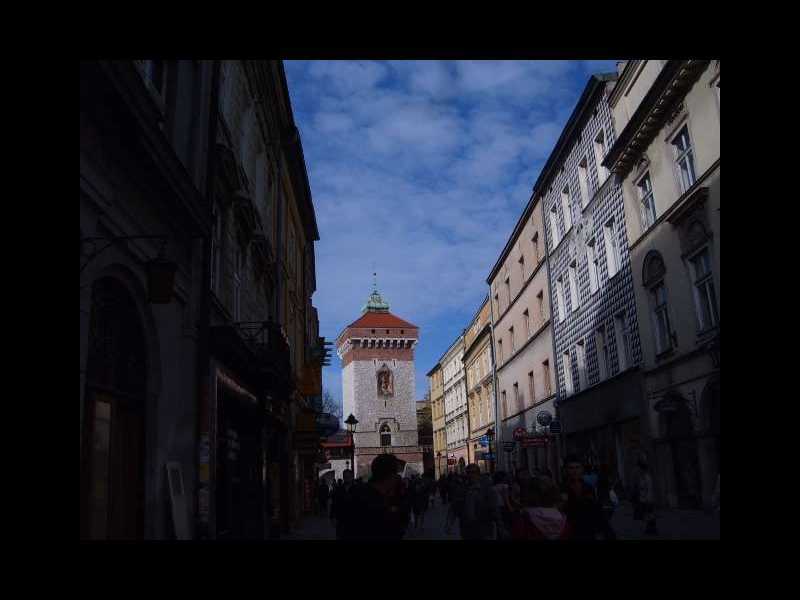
x,y
672,525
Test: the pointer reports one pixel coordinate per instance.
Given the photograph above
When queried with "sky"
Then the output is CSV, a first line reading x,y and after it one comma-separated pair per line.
x,y
419,171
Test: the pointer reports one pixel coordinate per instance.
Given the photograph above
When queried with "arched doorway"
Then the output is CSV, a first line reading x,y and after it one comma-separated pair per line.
x,y
112,456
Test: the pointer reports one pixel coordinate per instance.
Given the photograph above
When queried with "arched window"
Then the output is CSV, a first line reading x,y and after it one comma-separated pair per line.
x,y
386,435
653,279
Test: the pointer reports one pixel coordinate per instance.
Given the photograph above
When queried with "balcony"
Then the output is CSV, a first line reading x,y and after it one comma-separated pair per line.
x,y
259,350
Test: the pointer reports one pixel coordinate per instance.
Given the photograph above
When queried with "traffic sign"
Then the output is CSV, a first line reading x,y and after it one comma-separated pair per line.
x,y
544,418
519,433
483,441
535,442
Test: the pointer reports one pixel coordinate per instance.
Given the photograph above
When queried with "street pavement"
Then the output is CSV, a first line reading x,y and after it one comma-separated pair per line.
x,y
672,525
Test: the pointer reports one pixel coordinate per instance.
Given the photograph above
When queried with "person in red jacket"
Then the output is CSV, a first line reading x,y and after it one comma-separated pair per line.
x,y
540,519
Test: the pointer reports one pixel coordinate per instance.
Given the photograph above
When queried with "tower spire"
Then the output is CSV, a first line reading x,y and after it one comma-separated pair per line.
x,y
375,303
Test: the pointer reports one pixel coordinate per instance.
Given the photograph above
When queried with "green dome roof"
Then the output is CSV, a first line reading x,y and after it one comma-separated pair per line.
x,y
375,303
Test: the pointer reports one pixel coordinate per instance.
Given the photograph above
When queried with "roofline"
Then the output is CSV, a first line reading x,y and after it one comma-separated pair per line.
x,y
451,347
301,159
480,308
596,81
433,370
478,338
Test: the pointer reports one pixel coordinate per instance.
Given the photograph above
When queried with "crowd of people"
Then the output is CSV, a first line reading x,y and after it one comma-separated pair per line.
x,y
525,506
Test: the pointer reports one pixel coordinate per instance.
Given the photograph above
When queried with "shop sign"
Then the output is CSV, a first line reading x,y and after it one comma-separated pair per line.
x,y
536,442
483,441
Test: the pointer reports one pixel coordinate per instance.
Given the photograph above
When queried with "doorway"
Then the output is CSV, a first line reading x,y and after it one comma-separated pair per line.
x,y
112,453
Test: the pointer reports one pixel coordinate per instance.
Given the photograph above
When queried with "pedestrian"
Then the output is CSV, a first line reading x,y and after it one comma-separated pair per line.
x,y
647,498
455,491
419,502
342,505
540,518
322,496
443,489
505,507
379,509
584,513
479,514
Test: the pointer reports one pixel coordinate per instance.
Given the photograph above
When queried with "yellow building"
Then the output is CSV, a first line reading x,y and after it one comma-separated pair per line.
x,y
436,387
480,384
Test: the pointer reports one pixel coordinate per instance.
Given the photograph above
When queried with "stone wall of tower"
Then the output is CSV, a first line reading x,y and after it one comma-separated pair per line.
x,y
372,410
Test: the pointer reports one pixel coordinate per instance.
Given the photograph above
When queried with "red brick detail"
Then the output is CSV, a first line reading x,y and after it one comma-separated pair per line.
x,y
406,354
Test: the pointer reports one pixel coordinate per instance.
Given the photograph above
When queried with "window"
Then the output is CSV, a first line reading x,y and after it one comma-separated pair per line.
x,y
612,249
511,335
554,233
580,351
527,319
497,302
599,155
505,403
522,267
602,352
216,249
566,209
661,318
548,387
684,160
583,180
566,364
704,297
508,291
540,302
647,203
562,313
238,268
535,241
499,351
591,263
623,347
517,399
573,285
530,387
386,435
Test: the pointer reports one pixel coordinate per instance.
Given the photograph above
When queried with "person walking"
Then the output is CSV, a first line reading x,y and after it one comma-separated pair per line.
x,y
506,508
583,511
479,514
455,491
322,497
380,508
647,498
419,501
443,489
342,505
540,518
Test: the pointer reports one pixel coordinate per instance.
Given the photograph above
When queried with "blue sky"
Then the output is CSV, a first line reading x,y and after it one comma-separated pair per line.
x,y
422,168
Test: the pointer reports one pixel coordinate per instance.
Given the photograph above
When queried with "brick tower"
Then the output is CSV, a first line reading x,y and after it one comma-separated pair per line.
x,y
377,354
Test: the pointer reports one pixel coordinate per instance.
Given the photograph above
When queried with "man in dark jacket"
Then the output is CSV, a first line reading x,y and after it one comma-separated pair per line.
x,y
480,511
585,516
380,509
342,501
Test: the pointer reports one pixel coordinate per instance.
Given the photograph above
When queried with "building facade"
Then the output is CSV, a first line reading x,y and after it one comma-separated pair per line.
x,y
145,145
436,387
425,434
479,377
667,157
455,406
377,354
597,350
523,344
216,380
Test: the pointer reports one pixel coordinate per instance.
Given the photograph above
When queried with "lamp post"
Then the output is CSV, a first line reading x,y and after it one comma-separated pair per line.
x,y
351,423
490,437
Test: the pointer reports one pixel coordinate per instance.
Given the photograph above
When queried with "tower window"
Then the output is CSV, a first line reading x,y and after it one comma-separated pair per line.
x,y
386,435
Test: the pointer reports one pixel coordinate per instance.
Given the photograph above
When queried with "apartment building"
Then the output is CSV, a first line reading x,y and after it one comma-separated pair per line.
x,y
479,372
436,387
667,157
525,378
455,405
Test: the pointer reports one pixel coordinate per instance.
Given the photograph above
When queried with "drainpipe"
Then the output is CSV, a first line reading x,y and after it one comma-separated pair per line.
x,y
203,485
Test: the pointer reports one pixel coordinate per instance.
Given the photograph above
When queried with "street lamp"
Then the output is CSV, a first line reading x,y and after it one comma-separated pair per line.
x,y
489,438
351,423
